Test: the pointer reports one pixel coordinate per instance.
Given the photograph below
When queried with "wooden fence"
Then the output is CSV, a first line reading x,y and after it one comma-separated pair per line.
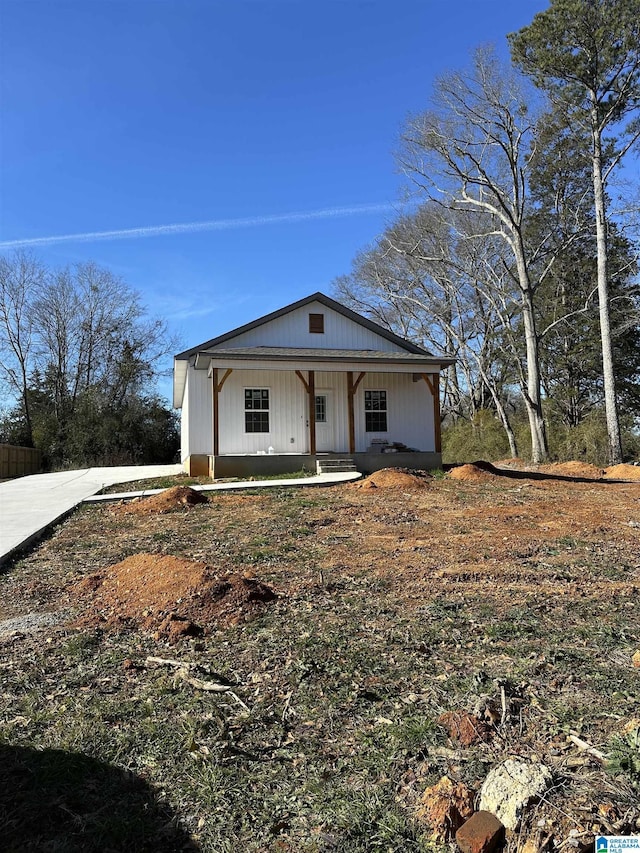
x,y
18,461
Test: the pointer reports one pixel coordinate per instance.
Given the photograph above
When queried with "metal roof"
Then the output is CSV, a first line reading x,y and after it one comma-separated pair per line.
x,y
302,354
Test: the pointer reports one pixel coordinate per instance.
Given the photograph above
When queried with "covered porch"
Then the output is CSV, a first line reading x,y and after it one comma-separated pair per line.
x,y
279,410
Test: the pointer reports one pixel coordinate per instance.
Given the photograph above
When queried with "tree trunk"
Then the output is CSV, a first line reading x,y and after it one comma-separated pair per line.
x,y
532,394
504,420
611,405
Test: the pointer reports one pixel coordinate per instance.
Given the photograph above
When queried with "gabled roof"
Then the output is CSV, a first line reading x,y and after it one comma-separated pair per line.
x,y
314,297
200,356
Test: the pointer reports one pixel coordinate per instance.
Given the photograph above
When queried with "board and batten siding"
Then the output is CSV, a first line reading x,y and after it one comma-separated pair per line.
x,y
197,415
292,330
409,411
409,415
287,413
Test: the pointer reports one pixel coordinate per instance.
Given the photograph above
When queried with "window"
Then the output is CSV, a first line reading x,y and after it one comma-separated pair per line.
x,y
316,324
375,411
321,409
256,410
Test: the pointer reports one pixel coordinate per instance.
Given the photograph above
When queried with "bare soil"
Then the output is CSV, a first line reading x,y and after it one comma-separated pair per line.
x,y
471,473
171,500
623,472
573,468
394,478
172,595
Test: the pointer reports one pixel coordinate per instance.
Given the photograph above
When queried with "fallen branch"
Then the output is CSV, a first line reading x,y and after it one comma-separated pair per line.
x,y
586,747
503,699
182,673
200,684
180,664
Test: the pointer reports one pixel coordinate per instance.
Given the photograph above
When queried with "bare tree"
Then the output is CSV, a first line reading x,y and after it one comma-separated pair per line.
x,y
471,153
21,278
77,341
423,281
586,54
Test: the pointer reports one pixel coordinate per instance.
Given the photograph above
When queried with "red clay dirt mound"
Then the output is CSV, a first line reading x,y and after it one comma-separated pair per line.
x,y
622,472
395,478
175,498
172,595
573,468
471,473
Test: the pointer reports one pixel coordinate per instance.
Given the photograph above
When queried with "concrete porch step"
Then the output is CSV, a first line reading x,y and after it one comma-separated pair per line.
x,y
334,466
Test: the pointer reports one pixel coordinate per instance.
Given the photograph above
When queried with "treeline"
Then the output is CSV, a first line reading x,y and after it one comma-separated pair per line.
x,y
79,362
512,257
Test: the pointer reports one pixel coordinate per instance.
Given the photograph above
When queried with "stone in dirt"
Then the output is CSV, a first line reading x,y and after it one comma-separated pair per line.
x,y
444,807
174,627
510,787
464,727
482,833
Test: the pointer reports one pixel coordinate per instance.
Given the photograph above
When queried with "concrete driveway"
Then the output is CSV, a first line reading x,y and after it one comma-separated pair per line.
x,y
29,505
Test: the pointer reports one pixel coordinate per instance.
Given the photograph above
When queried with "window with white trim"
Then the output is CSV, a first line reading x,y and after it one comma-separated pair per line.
x,y
375,411
256,410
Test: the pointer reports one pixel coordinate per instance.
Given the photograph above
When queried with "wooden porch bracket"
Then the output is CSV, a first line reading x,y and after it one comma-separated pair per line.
x,y
300,376
352,387
217,388
433,384
310,387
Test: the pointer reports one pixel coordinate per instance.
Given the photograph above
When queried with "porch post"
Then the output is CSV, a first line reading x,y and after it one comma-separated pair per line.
x,y
352,387
216,431
437,425
217,388
352,425
312,412
310,388
433,383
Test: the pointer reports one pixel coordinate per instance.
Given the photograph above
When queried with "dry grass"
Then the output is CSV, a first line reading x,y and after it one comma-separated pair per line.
x,y
394,607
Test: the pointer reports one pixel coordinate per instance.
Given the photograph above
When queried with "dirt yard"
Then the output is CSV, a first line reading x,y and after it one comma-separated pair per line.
x,y
327,657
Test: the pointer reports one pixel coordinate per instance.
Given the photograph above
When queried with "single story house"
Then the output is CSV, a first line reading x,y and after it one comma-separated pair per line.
x,y
307,384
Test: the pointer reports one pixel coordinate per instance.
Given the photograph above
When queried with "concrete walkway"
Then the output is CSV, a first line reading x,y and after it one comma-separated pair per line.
x,y
29,505
316,480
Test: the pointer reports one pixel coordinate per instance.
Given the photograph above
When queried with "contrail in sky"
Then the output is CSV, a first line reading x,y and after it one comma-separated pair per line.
x,y
193,227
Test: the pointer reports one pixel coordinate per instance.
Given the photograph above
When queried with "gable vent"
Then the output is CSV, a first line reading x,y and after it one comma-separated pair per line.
x,y
316,324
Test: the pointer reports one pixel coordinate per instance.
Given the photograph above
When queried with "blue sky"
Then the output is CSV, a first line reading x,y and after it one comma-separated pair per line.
x,y
136,114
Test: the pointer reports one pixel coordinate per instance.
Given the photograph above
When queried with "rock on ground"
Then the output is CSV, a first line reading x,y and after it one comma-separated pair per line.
x,y
510,787
482,833
444,807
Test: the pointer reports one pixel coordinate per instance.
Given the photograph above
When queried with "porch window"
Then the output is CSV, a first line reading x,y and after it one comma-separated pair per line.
x,y
256,410
375,411
321,409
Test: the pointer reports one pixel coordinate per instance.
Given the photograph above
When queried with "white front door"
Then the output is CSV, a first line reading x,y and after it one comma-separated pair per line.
x,y
324,422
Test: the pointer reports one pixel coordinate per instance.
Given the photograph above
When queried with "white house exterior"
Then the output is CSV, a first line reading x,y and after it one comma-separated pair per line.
x,y
309,381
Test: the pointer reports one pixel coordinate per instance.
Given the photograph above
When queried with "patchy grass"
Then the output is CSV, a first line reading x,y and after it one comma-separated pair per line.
x,y
394,607
186,480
